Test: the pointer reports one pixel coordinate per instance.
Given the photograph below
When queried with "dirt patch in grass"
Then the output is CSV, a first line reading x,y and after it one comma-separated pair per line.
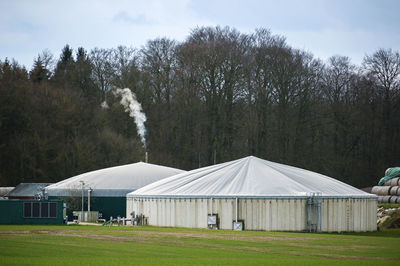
x,y
74,233
137,234
235,237
339,256
330,247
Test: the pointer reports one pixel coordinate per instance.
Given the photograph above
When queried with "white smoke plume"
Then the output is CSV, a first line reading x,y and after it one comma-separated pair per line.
x,y
134,108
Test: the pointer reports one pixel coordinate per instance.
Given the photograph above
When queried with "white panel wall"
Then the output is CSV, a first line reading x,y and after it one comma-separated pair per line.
x,y
341,215
337,215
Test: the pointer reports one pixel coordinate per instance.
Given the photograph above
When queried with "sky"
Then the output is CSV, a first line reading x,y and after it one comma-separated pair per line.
x,y
324,28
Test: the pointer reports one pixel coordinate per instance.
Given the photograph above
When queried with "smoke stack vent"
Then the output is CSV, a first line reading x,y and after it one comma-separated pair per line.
x,y
146,157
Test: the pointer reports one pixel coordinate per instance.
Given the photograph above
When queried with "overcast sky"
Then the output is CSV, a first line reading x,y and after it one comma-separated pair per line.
x,y
325,28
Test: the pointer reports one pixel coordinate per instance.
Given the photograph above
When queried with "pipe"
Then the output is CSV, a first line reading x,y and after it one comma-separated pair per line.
x,y
236,210
317,211
88,192
309,203
83,183
146,157
211,206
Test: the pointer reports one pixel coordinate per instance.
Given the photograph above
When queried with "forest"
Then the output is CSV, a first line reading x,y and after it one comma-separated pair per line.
x,y
218,95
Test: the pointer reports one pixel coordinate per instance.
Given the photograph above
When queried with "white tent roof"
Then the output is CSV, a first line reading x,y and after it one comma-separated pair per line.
x,y
248,177
114,181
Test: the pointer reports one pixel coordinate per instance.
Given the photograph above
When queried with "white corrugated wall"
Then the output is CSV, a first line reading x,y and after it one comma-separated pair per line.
x,y
337,214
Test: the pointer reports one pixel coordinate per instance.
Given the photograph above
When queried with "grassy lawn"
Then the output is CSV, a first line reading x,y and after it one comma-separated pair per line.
x,y
94,245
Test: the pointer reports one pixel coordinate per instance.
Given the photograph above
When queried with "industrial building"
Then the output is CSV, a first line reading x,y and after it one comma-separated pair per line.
x,y
26,204
27,191
255,194
105,190
4,191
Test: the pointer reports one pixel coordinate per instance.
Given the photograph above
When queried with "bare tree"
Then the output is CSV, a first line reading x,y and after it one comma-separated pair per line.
x,y
337,79
158,60
218,56
338,85
383,68
124,61
384,65
102,69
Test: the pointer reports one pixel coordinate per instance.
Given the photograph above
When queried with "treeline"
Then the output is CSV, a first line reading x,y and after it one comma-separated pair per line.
x,y
217,96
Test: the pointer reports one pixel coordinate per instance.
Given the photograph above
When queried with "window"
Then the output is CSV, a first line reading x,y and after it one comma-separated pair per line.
x,y
27,209
36,209
45,210
40,209
53,210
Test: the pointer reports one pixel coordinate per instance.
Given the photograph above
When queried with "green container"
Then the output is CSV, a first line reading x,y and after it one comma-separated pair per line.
x,y
31,212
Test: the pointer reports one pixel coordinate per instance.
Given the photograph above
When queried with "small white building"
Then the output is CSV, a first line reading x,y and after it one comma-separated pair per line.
x,y
255,194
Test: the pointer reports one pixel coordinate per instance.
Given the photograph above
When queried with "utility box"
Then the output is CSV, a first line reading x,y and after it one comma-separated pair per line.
x,y
238,225
91,216
212,221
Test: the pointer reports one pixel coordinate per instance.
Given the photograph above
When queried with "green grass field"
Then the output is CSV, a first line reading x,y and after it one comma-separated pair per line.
x,y
97,245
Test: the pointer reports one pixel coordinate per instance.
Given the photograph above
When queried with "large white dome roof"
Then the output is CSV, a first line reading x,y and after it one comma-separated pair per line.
x,y
114,181
248,177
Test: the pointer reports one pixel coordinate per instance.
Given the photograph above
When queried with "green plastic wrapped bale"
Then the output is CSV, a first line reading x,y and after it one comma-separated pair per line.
x,y
389,174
